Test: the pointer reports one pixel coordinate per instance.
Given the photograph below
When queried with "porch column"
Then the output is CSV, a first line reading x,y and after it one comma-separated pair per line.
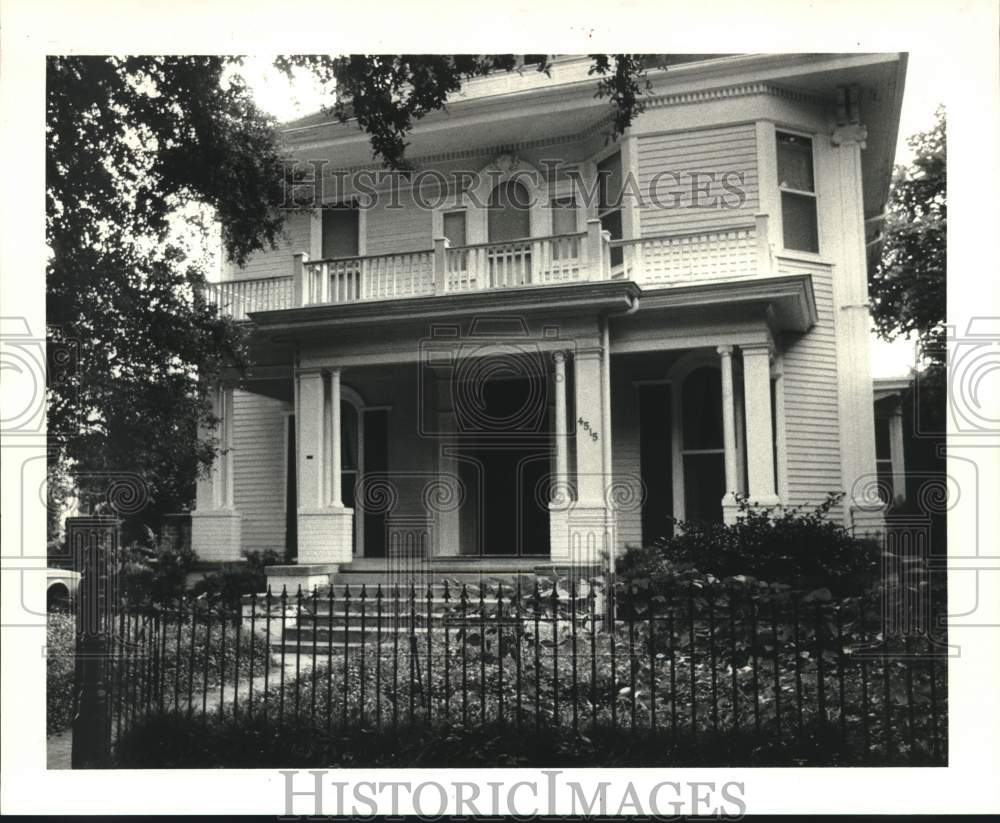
x,y
580,530
336,460
215,523
728,433
325,529
590,477
560,488
309,417
760,434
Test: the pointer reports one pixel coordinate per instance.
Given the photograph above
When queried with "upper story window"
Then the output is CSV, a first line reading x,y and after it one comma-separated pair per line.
x,y
509,214
609,200
341,228
454,225
564,215
798,192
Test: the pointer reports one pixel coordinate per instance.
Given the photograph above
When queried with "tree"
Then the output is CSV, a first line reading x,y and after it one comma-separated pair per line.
x,y
908,294
907,285
137,146
134,145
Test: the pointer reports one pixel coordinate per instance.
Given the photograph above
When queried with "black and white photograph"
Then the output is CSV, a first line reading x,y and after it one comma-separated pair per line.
x,y
396,422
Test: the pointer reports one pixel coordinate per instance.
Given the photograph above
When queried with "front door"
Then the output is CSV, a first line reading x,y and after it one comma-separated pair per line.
x,y
504,466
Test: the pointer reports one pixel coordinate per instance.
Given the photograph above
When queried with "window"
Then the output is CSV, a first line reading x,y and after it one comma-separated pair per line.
x,y
883,460
609,201
340,231
798,192
454,228
564,215
702,445
509,217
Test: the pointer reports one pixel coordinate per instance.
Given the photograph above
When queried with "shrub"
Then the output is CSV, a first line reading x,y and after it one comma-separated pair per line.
x,y
800,548
222,741
60,639
228,585
151,572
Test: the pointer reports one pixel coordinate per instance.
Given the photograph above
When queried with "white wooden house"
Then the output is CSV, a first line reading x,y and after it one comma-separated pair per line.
x,y
499,357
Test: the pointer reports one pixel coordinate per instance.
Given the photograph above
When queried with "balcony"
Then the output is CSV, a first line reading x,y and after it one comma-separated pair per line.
x,y
727,253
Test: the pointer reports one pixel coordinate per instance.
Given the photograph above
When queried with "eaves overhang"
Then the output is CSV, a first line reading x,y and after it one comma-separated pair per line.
x,y
788,300
571,298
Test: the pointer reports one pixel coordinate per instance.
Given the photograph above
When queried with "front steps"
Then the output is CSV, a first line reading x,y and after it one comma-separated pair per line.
x,y
360,590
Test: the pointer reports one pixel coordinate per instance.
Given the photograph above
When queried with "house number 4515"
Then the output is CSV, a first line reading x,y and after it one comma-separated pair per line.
x,y
585,425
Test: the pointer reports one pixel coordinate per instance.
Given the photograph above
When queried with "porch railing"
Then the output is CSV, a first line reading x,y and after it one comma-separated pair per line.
x,y
535,261
238,298
723,253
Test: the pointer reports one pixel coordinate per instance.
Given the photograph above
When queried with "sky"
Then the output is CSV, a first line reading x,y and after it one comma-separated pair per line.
x,y
925,90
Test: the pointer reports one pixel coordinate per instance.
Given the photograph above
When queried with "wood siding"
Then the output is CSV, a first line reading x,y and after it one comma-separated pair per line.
x,y
404,229
278,262
812,430
259,494
710,151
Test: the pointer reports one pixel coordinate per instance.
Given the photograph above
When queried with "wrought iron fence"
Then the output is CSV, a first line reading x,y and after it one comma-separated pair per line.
x,y
532,656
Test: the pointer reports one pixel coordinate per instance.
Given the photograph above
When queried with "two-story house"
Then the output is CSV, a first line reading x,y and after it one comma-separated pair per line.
x,y
541,344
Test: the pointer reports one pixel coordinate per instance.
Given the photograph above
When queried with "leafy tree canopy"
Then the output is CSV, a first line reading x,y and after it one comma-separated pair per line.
x,y
907,285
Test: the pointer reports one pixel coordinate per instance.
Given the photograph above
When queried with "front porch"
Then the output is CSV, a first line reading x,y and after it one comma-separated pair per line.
x,y
480,440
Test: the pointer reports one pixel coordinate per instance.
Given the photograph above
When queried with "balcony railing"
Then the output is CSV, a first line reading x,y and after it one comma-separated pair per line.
x,y
238,298
726,253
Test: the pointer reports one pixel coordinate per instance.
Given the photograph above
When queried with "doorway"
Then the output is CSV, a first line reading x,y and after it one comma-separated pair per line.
x,y
504,462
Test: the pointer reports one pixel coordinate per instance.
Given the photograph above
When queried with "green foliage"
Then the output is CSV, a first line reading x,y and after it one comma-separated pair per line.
x,y
215,653
136,146
60,640
804,549
176,741
228,585
623,81
907,286
152,573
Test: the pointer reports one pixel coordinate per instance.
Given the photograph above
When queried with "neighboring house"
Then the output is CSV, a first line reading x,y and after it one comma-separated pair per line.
x,y
890,451
436,375
60,586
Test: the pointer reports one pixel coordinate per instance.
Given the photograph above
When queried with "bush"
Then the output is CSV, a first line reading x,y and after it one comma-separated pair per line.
x,y
152,573
222,741
214,657
228,585
799,548
59,664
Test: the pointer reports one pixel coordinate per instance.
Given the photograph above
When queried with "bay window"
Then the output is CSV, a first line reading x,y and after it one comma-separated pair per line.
x,y
797,185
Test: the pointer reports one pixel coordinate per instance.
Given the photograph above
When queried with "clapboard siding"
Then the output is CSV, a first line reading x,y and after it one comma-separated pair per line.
x,y
812,429
405,229
718,151
278,262
259,492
